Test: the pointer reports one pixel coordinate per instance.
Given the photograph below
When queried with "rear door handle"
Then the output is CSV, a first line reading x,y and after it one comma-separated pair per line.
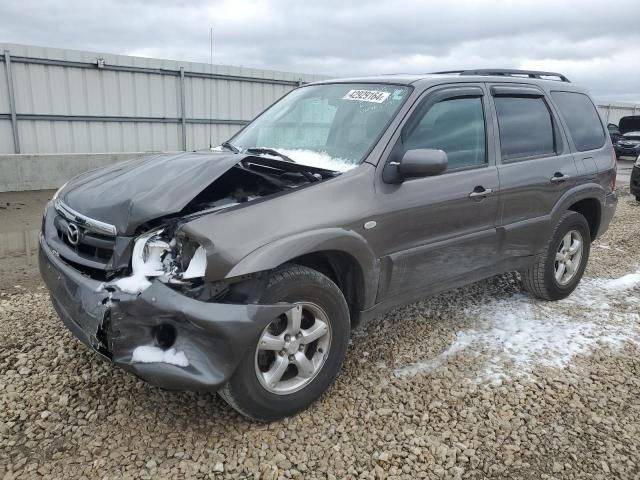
x,y
480,192
559,177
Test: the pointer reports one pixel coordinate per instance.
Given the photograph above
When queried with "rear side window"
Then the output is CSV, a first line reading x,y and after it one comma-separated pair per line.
x,y
582,119
526,129
455,126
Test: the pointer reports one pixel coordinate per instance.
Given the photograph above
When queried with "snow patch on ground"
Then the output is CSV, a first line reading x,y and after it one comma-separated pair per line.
x,y
623,283
521,332
151,354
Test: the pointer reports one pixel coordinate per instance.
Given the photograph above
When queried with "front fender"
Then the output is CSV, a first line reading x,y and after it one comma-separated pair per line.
x,y
280,251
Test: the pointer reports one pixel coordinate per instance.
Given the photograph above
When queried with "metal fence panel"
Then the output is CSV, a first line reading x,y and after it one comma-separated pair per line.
x,y
69,101
4,97
6,137
614,111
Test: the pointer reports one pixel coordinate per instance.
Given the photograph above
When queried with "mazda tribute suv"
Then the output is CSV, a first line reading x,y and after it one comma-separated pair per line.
x,y
242,270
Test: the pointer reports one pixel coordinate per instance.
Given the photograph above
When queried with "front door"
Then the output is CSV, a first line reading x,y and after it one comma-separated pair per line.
x,y
440,228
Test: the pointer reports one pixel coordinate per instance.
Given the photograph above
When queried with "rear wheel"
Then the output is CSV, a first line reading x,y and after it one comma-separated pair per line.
x,y
298,355
560,267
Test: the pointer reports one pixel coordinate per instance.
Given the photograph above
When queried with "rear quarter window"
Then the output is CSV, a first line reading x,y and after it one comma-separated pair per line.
x,y
582,119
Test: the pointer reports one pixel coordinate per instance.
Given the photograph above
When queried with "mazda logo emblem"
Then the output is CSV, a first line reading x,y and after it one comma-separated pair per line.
x,y
73,234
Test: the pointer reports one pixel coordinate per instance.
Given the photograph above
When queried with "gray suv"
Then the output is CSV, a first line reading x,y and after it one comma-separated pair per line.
x,y
242,270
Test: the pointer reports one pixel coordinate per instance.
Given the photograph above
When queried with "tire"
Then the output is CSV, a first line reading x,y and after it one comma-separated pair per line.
x,y
638,198
540,279
248,392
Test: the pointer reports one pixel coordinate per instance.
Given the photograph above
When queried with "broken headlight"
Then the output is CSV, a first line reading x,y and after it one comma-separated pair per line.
x,y
170,259
175,260
192,258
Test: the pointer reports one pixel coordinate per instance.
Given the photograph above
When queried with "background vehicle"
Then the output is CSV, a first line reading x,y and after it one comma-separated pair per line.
x,y
628,145
614,132
634,185
243,270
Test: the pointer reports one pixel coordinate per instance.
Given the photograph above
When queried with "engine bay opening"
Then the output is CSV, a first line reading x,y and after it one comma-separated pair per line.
x,y
255,178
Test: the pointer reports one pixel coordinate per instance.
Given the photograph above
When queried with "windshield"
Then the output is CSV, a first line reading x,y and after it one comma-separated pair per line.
x,y
331,126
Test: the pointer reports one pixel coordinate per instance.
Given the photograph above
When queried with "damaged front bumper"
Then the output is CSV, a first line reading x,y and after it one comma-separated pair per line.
x,y
208,339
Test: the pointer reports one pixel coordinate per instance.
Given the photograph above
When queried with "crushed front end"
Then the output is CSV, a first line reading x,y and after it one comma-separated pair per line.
x,y
141,302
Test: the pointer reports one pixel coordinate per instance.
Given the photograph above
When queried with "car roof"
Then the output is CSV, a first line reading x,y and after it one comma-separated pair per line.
x,y
429,79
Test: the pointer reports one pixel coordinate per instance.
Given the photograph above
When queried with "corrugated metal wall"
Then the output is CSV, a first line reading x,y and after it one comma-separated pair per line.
x,y
69,101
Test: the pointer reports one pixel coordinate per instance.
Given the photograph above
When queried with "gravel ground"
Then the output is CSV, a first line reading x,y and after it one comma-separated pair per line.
x,y
482,382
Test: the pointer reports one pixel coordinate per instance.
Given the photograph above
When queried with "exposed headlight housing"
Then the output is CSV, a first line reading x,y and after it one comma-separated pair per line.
x,y
192,258
156,254
179,258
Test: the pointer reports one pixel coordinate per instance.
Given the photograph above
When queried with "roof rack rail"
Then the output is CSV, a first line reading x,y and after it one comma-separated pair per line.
x,y
505,72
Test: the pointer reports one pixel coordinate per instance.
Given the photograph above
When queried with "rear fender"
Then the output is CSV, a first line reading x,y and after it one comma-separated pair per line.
x,y
580,192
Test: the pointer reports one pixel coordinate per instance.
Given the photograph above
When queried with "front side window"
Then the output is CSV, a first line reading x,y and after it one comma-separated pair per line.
x,y
330,126
526,128
455,126
582,120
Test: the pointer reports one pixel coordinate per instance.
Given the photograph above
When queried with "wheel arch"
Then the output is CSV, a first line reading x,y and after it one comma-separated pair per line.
x,y
591,209
342,255
586,199
344,270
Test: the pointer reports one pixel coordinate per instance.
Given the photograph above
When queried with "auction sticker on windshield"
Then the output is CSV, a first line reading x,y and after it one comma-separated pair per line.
x,y
374,96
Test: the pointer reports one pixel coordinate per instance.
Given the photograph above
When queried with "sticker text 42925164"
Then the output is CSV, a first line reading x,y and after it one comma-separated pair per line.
x,y
374,96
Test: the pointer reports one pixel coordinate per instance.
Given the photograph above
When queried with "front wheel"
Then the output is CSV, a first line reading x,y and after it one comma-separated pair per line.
x,y
298,355
560,267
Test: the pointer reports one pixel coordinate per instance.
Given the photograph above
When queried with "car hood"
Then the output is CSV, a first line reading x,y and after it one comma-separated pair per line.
x,y
129,194
629,124
631,136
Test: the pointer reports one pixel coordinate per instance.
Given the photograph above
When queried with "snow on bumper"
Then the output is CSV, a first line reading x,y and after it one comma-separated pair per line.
x,y
209,339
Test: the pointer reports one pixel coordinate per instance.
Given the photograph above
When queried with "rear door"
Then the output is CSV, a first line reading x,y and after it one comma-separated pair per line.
x,y
436,229
536,166
593,155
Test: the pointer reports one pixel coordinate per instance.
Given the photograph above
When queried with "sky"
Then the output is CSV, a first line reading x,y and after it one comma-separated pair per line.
x,y
594,43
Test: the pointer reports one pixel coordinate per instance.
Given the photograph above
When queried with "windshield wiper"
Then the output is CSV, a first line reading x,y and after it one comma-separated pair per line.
x,y
230,146
270,151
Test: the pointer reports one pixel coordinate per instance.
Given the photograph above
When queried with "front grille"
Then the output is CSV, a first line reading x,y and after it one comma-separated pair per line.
x,y
93,273
90,245
84,243
626,150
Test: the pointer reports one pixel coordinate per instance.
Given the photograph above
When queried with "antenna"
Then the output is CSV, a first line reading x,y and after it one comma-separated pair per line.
x,y
211,90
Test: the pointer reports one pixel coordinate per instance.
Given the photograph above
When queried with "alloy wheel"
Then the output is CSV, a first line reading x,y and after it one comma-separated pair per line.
x,y
568,257
293,348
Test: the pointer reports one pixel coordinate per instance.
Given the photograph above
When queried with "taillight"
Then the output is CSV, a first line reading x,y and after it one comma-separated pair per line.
x,y
615,169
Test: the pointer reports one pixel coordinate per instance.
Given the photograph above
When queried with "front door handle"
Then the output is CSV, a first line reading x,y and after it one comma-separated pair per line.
x,y
480,192
559,177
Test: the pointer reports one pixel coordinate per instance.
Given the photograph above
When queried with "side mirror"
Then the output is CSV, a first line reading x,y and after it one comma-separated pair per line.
x,y
422,163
